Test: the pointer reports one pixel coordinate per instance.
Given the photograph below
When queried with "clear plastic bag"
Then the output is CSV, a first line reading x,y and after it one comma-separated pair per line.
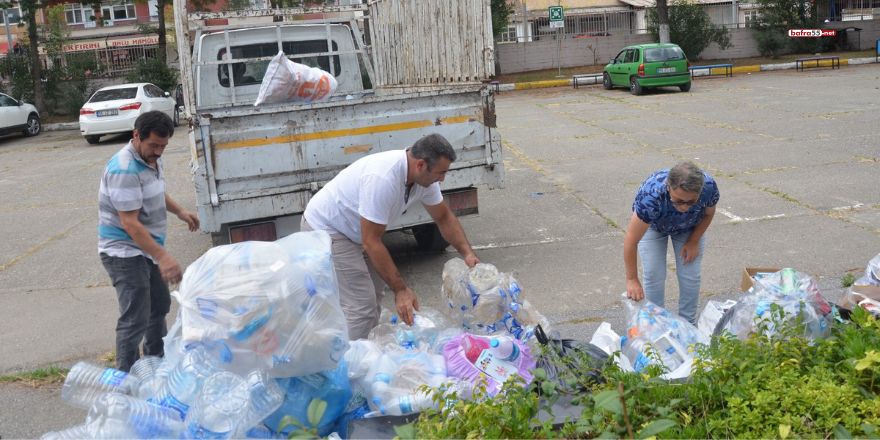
x,y
269,306
401,373
330,386
286,81
796,293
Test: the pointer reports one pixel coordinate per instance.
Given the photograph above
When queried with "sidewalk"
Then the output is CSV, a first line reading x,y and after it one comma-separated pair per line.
x,y
584,80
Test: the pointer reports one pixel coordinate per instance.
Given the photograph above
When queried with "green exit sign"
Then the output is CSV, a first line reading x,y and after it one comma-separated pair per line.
x,y
555,13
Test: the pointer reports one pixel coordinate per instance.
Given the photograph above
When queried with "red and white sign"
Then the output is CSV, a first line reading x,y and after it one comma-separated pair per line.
x,y
140,40
811,33
80,45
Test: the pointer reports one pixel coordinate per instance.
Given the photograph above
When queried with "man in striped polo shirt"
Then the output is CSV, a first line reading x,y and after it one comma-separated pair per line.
x,y
131,238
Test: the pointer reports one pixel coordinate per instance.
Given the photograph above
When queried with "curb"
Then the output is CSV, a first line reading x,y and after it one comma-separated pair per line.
x,y
61,127
590,79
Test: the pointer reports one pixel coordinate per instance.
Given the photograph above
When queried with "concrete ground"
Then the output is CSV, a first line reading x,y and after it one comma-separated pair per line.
x,y
794,153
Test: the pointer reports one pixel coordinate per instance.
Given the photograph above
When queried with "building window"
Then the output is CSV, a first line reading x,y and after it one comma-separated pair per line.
x,y
508,35
751,18
13,16
76,13
124,11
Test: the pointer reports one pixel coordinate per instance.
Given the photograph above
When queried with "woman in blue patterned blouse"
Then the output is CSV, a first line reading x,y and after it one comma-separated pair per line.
x,y
677,203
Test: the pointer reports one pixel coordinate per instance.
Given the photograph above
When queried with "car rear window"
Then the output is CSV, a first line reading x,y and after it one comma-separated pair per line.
x,y
660,54
252,72
113,94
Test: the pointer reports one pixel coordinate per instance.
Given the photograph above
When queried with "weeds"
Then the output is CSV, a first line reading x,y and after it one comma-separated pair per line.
x,y
848,280
38,377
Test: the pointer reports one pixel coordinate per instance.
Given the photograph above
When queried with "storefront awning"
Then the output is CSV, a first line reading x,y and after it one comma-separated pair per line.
x,y
4,47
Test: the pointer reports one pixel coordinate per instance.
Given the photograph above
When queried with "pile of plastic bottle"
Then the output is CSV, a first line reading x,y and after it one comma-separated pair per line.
x,y
669,334
260,334
252,317
486,301
796,293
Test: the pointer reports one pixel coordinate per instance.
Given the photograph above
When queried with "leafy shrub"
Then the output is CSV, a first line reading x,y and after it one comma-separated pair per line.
x,y
775,386
153,71
17,67
776,17
690,28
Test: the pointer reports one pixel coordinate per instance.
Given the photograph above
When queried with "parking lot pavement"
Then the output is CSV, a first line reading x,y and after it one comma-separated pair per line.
x,y
794,153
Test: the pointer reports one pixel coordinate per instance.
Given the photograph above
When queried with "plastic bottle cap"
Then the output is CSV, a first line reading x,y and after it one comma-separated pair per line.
x,y
382,409
394,319
377,400
493,342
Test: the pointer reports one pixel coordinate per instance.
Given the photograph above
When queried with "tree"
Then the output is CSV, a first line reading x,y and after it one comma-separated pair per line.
x,y
689,27
663,21
776,17
29,11
501,10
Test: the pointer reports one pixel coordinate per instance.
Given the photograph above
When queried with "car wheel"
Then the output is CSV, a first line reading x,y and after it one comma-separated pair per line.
x,y
33,126
93,139
606,81
429,238
685,87
634,86
176,117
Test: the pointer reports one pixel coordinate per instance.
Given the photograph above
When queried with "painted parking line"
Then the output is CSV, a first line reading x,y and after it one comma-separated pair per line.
x,y
736,218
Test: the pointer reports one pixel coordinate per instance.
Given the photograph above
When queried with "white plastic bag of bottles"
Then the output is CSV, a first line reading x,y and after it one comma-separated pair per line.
x,y
798,297
429,332
269,306
394,380
485,301
655,335
359,359
286,81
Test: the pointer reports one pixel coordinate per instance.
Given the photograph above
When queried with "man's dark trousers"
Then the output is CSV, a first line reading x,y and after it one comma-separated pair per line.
x,y
144,301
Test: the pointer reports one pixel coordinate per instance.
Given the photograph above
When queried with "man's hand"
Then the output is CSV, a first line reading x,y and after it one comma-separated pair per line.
x,y
170,269
472,260
689,251
634,290
191,220
406,301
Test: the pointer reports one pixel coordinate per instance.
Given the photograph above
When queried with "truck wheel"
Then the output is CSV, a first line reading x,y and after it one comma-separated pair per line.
x,y
429,238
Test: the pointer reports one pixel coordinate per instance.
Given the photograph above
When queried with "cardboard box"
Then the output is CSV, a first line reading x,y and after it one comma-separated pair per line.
x,y
749,272
864,291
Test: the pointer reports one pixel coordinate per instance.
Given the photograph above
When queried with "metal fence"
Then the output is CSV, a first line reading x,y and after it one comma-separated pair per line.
x,y
113,61
599,22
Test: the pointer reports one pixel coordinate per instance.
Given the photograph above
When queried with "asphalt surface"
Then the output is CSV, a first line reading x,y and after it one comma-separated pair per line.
x,y
795,156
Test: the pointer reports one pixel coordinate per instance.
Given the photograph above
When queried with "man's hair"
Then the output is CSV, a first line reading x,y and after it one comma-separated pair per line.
x,y
430,148
154,122
687,176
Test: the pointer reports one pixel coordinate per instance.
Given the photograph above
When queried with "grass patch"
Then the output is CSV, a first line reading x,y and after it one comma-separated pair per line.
x,y
108,359
582,320
848,280
38,377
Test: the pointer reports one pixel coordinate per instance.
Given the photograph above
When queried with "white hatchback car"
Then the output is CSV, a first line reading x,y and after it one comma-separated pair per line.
x,y
17,116
114,109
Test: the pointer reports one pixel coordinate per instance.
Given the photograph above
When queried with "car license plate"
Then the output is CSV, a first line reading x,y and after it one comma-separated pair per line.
x,y
113,112
666,70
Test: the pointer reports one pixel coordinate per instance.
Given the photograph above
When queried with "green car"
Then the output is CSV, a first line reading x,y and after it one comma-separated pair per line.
x,y
648,65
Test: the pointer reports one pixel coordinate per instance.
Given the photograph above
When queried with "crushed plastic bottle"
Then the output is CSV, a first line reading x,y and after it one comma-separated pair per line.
x,y
86,382
265,396
185,379
220,406
125,417
73,433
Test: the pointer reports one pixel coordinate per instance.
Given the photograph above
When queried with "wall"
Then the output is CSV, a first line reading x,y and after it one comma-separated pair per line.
x,y
537,55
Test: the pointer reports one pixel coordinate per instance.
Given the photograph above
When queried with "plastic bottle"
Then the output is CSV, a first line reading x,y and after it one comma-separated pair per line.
x,y
86,382
504,348
381,380
144,367
408,404
473,347
179,390
221,405
265,396
261,431
151,385
634,350
120,416
73,433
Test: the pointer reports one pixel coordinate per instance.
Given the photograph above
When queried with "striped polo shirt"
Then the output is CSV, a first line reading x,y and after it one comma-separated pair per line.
x,y
128,184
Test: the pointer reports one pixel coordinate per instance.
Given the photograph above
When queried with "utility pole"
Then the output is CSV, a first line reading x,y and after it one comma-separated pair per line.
x,y
8,34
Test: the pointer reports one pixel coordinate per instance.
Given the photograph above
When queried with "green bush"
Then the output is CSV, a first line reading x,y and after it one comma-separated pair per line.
x,y
156,72
776,17
776,386
690,28
17,68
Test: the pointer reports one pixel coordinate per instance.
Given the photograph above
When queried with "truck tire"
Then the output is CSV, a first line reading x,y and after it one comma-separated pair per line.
x,y
429,238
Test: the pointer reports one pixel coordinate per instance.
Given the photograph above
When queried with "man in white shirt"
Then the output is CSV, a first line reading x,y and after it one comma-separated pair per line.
x,y
356,207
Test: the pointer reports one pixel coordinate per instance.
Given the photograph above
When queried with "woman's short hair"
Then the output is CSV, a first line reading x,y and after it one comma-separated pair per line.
x,y
687,176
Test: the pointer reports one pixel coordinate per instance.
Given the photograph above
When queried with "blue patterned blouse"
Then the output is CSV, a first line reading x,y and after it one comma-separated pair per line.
x,y
653,206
